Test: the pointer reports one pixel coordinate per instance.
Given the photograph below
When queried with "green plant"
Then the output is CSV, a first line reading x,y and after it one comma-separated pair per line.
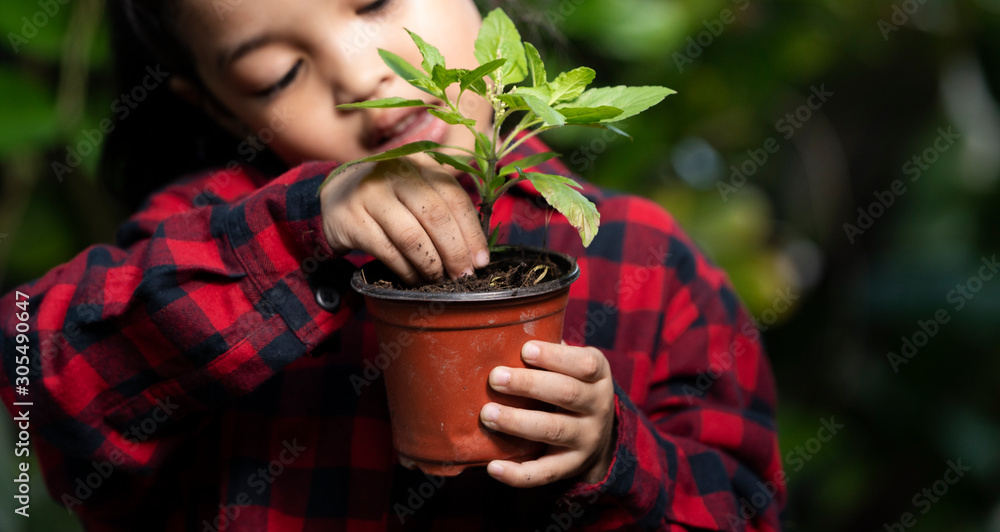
x,y
546,105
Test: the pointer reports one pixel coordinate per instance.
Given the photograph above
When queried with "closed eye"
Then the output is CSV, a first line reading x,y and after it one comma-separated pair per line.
x,y
282,83
373,7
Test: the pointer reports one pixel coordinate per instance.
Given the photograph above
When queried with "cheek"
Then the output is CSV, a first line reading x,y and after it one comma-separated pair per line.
x,y
303,127
313,138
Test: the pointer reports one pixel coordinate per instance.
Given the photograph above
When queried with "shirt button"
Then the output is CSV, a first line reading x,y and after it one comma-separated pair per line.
x,y
328,298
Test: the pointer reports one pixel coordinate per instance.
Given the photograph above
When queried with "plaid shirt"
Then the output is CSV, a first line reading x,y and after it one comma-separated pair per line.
x,y
213,371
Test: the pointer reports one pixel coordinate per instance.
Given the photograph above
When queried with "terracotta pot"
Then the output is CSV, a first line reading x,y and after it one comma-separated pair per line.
x,y
442,347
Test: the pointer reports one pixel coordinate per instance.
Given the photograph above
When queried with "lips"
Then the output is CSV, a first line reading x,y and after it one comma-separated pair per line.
x,y
392,130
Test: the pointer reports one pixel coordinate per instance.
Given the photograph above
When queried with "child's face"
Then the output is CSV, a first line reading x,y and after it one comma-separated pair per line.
x,y
281,68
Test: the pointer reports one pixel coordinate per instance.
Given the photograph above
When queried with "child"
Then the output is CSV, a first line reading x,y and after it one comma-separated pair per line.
x,y
202,373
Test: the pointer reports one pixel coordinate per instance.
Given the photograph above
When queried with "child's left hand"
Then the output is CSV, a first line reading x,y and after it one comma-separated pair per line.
x,y
579,382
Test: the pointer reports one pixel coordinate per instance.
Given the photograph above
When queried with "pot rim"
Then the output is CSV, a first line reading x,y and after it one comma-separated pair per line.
x,y
359,284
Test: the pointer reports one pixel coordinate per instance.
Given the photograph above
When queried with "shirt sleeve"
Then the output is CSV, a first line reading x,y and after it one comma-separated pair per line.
x,y
205,297
696,447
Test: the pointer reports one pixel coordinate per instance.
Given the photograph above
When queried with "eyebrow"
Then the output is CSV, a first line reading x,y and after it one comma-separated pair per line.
x,y
228,57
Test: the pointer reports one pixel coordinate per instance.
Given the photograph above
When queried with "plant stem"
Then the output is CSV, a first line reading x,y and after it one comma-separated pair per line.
x,y
509,183
526,122
522,140
466,150
490,172
485,213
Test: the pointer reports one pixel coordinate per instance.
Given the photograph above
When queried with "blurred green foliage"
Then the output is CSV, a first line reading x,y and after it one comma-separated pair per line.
x,y
898,71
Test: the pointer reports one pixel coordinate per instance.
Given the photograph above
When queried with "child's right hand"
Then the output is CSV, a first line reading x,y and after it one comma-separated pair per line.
x,y
413,217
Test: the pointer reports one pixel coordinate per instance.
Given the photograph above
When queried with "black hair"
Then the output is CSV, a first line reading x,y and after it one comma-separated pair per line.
x,y
163,137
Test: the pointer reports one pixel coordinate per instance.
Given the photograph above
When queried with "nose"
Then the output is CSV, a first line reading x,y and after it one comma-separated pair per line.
x,y
361,74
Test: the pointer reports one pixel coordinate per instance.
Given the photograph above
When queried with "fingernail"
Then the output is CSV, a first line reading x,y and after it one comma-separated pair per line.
x,y
500,377
482,259
491,413
494,469
466,273
530,352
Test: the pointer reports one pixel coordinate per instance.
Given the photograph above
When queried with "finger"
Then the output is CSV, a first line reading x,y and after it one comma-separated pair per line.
x,y
384,250
465,215
548,386
549,468
552,428
407,236
585,363
435,216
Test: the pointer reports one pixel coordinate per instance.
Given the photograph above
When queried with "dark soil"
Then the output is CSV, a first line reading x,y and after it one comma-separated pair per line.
x,y
510,269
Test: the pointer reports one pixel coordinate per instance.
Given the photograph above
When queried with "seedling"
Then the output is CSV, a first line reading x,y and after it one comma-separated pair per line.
x,y
542,106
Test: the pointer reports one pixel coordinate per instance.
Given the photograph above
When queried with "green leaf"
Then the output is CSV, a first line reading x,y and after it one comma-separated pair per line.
x,y
410,73
578,210
542,93
443,77
550,116
589,115
432,56
570,85
538,76
555,180
401,151
395,153
513,101
528,162
384,103
483,145
452,118
444,158
494,236
631,100
498,38
401,66
479,73
427,85
479,87
497,182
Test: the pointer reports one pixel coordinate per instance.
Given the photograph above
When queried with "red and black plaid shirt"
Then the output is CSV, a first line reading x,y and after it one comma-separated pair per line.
x,y
213,371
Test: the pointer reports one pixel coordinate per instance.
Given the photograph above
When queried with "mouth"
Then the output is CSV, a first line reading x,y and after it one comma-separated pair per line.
x,y
413,126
